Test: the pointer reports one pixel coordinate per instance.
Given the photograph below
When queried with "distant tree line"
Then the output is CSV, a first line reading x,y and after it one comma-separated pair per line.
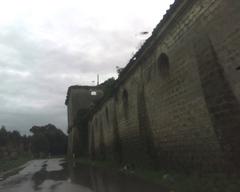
x,y
48,140
12,143
12,138
45,140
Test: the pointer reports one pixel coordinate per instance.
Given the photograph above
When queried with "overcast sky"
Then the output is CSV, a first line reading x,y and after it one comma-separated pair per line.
x,y
48,45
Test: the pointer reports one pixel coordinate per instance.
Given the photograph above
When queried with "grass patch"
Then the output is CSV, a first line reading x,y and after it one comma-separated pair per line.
x,y
109,164
8,164
178,181
193,182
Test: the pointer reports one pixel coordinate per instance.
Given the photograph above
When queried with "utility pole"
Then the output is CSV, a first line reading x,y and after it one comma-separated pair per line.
x,y
97,79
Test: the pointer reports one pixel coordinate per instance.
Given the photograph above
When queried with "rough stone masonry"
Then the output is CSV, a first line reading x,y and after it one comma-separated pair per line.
x,y
177,102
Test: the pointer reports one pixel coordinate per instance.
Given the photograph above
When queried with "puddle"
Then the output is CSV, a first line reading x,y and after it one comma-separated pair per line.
x,y
92,178
55,175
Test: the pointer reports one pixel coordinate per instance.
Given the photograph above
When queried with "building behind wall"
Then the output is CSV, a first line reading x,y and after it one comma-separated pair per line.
x,y
176,103
80,99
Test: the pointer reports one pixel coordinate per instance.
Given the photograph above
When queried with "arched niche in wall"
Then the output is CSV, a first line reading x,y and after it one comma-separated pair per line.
x,y
116,97
96,122
163,65
125,102
107,114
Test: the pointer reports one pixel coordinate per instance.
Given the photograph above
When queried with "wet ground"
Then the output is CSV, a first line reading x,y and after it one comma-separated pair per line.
x,y
55,175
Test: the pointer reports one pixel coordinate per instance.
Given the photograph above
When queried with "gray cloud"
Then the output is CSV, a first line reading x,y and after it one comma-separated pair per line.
x,y
43,52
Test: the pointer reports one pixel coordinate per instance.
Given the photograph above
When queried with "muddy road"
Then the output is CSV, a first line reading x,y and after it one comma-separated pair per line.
x,y
55,175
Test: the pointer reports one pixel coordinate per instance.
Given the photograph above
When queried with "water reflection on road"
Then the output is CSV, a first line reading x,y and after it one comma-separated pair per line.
x,y
55,175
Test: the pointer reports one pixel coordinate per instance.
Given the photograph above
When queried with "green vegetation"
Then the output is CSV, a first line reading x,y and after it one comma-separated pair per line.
x,y
13,140
178,181
108,87
109,164
8,164
181,182
16,150
48,140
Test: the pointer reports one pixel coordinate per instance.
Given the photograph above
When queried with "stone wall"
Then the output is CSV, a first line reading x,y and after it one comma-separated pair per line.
x,y
177,102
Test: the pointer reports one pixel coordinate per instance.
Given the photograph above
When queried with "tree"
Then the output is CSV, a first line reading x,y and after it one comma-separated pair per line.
x,y
39,144
48,139
3,136
15,138
119,70
108,86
